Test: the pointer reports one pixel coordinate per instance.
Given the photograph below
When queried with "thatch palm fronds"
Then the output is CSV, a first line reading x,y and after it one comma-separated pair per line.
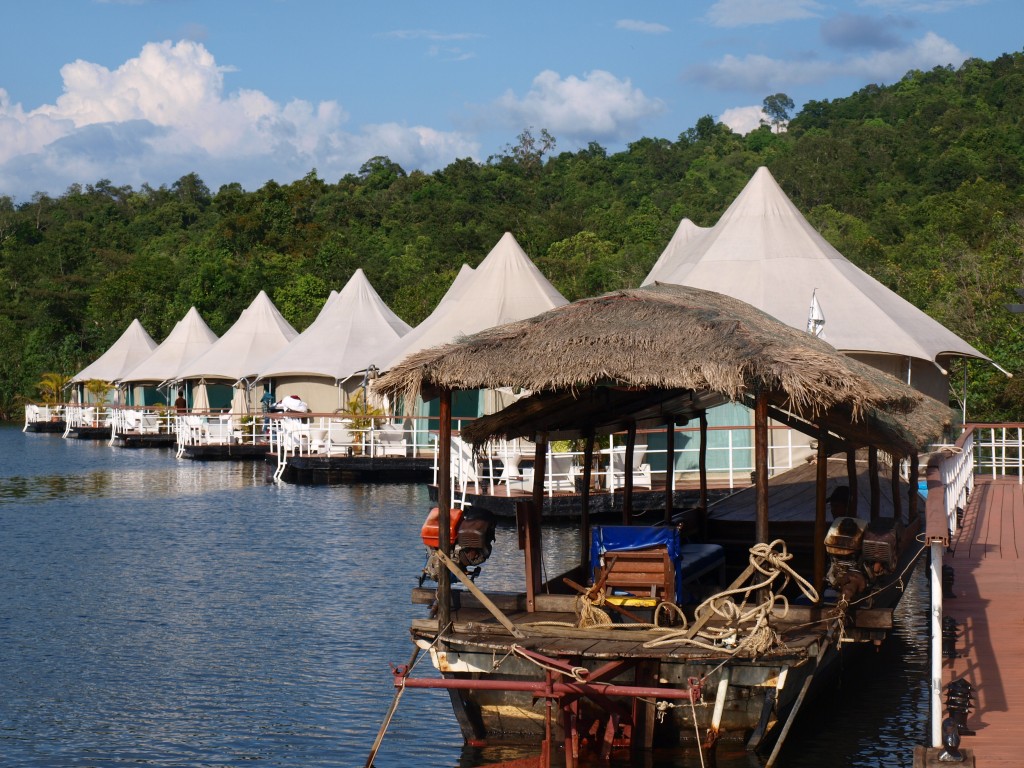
x,y
99,389
51,387
663,337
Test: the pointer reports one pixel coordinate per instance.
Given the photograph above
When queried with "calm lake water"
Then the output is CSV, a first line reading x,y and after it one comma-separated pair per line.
x,y
166,612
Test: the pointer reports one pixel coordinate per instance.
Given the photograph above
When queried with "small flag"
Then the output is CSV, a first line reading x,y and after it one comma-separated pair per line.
x,y
815,317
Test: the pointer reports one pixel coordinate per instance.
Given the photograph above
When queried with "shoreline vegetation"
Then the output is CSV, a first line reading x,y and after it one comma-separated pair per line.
x,y
919,183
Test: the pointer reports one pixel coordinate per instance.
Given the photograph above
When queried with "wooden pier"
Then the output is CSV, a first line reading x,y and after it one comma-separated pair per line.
x,y
987,556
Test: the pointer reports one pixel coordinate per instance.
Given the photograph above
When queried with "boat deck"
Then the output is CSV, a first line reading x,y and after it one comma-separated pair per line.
x,y
988,584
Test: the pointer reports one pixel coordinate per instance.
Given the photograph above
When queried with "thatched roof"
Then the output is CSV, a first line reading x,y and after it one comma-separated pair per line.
x,y
648,352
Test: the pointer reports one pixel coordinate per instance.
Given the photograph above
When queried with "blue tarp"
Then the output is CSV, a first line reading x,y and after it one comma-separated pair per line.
x,y
627,538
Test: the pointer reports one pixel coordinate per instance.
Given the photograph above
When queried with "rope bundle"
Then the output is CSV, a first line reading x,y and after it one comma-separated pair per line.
x,y
770,561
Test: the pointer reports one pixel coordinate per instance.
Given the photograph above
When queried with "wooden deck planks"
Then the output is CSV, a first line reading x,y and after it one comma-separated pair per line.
x,y
989,607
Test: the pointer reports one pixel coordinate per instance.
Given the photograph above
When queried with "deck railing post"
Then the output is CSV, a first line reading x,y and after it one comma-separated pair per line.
x,y
936,643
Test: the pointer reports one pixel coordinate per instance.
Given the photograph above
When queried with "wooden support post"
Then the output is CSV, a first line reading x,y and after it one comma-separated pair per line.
x,y
627,475
761,466
912,494
897,508
444,497
670,464
588,469
534,557
703,461
819,512
876,495
851,481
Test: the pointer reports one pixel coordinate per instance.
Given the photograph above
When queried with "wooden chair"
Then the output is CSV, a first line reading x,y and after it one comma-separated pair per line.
x,y
643,573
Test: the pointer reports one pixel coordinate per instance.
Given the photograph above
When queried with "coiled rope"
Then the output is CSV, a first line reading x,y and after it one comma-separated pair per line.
x,y
745,627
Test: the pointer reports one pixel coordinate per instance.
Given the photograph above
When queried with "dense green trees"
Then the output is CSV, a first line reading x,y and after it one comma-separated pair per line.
x,y
919,183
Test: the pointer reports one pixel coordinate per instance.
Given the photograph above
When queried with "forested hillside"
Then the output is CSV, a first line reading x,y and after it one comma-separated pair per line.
x,y
919,183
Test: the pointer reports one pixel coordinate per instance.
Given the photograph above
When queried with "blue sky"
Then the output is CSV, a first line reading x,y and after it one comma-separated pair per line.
x,y
147,91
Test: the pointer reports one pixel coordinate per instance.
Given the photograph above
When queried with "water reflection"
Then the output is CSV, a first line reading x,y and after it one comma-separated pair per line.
x,y
165,612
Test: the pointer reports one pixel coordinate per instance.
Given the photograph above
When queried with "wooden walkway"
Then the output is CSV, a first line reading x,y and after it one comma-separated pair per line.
x,y
988,562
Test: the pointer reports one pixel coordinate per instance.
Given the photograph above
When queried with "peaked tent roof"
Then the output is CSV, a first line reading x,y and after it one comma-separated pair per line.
x,y
134,346
685,232
345,337
258,334
505,287
190,338
764,252
458,284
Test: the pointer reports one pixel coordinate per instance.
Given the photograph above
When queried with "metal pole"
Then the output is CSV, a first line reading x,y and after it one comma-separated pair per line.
x,y
936,644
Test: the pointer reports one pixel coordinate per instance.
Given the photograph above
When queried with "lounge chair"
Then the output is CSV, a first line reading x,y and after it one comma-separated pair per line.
x,y
390,440
641,472
560,474
465,470
218,431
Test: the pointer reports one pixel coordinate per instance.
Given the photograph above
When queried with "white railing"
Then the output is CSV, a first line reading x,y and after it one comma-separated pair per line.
x,y
35,414
215,428
140,421
956,470
295,434
80,416
506,466
999,450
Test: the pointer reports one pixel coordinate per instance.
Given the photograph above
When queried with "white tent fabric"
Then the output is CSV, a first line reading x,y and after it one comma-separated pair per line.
x,y
685,232
258,334
506,286
457,286
190,338
345,338
130,350
764,252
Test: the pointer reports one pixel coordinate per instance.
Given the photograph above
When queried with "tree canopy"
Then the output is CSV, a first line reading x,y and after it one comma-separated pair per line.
x,y
918,183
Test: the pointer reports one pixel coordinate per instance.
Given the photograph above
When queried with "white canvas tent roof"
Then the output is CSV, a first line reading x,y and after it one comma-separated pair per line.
x,y
458,284
133,347
258,334
764,252
346,336
506,286
685,232
190,338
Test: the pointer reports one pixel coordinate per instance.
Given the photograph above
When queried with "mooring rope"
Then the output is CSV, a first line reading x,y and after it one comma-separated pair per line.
x,y
771,561
579,674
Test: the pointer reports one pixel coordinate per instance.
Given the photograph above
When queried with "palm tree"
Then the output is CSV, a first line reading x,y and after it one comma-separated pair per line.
x,y
99,389
51,387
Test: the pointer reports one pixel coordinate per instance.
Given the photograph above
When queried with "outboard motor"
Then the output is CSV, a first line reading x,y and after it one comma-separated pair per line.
x,y
860,553
471,534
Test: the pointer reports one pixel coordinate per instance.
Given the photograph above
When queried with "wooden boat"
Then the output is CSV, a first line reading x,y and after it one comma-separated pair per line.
x,y
720,621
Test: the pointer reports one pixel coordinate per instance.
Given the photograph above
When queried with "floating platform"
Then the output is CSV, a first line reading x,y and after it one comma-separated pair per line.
x,y
566,505
46,427
142,440
228,452
987,561
313,469
89,433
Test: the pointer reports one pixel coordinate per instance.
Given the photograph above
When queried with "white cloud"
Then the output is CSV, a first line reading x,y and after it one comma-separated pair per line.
x,y
598,106
743,13
647,27
743,120
763,73
922,6
165,113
